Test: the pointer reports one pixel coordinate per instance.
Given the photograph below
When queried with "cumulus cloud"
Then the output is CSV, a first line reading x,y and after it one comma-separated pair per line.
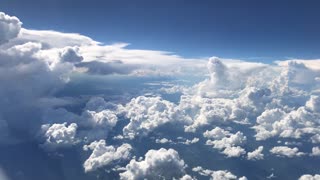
x,y
315,151
59,135
310,177
216,175
292,124
103,155
148,113
226,141
9,27
71,54
284,151
163,141
256,154
192,141
158,164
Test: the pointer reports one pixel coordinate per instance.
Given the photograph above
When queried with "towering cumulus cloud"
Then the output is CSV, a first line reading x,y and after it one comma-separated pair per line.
x,y
9,27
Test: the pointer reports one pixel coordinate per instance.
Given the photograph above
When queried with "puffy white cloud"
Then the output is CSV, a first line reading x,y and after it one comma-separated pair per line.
x,y
59,135
226,141
315,151
106,119
71,54
233,151
192,141
187,177
276,122
310,177
216,133
158,164
285,151
163,141
9,27
148,113
256,154
216,175
103,155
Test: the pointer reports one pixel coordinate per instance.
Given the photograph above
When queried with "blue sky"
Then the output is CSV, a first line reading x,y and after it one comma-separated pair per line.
x,y
251,30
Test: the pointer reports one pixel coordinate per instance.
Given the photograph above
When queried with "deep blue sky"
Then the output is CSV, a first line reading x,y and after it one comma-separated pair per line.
x,y
254,30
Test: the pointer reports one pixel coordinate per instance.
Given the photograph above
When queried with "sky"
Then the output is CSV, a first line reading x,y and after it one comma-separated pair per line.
x,y
251,30
89,90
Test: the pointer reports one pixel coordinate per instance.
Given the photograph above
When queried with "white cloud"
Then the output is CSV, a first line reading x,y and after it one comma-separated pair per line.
x,y
216,133
59,135
256,154
284,151
192,141
106,119
54,39
71,54
310,177
233,151
226,141
294,124
163,141
315,151
9,27
103,155
216,175
160,163
187,177
148,113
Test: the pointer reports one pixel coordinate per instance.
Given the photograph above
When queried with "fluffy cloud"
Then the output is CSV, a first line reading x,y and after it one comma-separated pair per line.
x,y
285,151
148,113
192,141
163,141
59,135
315,151
310,177
158,164
103,155
292,124
9,27
221,139
216,175
256,154
71,54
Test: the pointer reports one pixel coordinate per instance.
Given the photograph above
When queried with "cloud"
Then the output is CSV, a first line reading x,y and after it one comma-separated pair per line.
x,y
192,141
310,177
9,27
162,163
105,68
54,39
256,154
163,141
71,54
216,133
59,135
103,155
315,151
284,151
293,124
148,113
216,175
226,141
